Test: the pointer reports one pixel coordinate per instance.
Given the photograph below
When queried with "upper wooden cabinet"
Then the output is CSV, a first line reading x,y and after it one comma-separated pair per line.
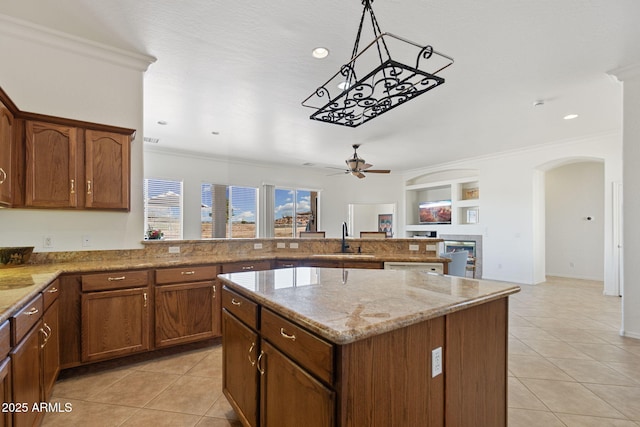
x,y
68,167
58,163
6,151
51,165
107,170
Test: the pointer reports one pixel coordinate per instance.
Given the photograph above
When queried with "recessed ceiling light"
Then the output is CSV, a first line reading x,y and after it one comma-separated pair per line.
x,y
538,103
215,132
320,52
162,122
570,116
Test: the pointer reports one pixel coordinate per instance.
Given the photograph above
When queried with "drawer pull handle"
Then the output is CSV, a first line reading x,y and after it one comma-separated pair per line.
x,y
4,176
248,267
45,339
287,336
32,311
144,295
234,302
259,363
253,362
89,191
214,291
287,265
116,279
187,273
73,186
53,290
48,327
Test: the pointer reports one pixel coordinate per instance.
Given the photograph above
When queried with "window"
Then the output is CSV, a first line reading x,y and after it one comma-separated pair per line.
x,y
228,211
163,207
295,211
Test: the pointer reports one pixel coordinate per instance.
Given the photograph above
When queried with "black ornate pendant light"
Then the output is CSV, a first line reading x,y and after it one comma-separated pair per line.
x,y
353,97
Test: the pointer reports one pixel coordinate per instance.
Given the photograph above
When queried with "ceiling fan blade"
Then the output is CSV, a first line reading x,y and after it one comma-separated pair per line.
x,y
378,171
358,174
366,166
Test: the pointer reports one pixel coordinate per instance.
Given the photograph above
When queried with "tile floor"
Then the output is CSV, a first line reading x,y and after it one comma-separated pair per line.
x,y
568,366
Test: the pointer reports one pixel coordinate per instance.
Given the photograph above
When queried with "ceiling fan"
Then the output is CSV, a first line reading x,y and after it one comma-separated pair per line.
x,y
357,166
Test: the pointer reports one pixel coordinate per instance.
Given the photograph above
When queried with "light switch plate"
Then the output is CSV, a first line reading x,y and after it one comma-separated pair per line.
x,y
257,246
281,245
293,245
431,247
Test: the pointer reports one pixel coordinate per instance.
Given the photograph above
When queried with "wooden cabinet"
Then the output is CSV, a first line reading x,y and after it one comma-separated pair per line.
x,y
107,170
275,377
69,167
51,165
6,155
187,305
116,311
50,344
5,371
234,267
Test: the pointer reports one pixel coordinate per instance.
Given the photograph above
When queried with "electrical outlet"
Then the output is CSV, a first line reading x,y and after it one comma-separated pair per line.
x,y
414,247
432,247
86,240
293,245
174,249
257,246
47,242
436,362
281,245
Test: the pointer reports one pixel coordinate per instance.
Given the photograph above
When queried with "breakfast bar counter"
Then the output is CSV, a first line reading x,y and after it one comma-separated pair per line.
x,y
348,347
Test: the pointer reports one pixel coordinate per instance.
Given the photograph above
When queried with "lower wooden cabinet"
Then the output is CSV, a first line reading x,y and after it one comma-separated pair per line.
x,y
115,323
26,360
289,396
240,376
186,312
5,390
50,349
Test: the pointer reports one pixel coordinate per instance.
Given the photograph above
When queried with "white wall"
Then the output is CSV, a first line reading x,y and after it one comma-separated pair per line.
x,y
631,211
511,192
575,244
336,191
49,73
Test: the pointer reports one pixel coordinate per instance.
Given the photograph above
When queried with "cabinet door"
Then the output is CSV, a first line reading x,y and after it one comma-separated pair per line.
x,y
239,374
185,313
114,323
107,170
50,349
26,362
5,390
6,152
289,396
51,156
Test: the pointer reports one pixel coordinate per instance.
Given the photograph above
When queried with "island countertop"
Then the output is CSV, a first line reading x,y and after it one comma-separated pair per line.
x,y
346,305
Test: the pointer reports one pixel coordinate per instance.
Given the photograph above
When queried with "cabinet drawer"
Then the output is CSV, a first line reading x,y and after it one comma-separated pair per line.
x,y
23,320
241,307
235,267
311,352
186,274
50,294
114,280
5,339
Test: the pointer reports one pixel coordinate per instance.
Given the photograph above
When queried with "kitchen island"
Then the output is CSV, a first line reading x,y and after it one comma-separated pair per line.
x,y
346,347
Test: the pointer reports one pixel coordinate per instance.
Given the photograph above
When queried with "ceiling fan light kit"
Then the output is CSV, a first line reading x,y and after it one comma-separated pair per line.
x,y
349,99
357,166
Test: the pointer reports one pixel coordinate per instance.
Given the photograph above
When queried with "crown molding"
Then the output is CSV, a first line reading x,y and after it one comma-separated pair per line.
x,y
627,72
28,31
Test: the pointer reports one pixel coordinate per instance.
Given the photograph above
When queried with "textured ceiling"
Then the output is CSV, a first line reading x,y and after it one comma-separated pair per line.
x,y
242,68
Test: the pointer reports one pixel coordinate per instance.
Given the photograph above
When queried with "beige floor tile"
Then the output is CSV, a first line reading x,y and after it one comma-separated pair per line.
x,y
529,418
210,366
535,367
521,397
150,417
218,422
174,364
222,409
189,395
557,349
592,371
630,369
571,335
531,333
84,386
88,414
623,398
518,347
571,398
584,421
607,352
136,389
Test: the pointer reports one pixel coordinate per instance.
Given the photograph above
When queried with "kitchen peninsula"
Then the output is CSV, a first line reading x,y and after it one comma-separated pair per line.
x,y
333,347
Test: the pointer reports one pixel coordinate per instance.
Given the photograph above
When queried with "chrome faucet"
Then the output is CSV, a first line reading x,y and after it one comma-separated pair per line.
x,y
344,235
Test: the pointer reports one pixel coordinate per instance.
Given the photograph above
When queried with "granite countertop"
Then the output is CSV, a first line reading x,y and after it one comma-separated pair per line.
x,y
19,284
346,305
